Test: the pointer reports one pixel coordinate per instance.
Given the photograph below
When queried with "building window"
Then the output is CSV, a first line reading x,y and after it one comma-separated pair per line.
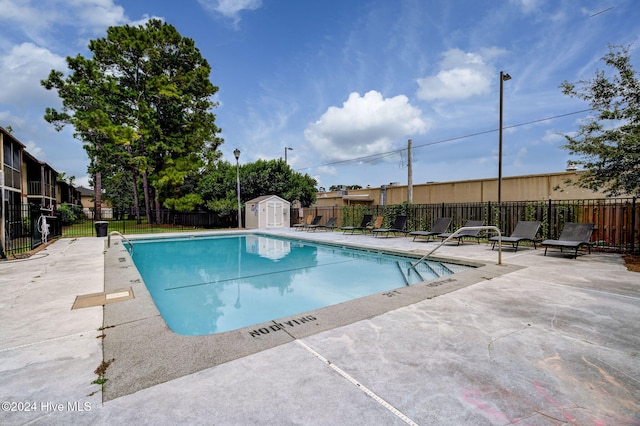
x,y
11,165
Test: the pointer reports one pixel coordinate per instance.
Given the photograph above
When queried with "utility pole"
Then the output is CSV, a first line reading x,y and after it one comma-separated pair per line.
x,y
409,173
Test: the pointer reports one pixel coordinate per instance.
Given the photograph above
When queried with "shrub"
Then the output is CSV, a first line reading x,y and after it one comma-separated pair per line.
x,y
67,214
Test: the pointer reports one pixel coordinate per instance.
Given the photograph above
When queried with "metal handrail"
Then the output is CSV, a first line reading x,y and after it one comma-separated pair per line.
x,y
455,234
121,236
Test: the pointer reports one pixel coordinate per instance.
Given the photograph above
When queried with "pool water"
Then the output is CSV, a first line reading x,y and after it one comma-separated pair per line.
x,y
206,285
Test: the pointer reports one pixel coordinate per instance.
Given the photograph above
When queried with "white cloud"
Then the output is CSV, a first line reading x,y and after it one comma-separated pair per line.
x,y
35,150
230,8
22,69
327,170
145,18
552,136
21,12
83,181
365,125
520,158
97,13
36,18
462,75
528,6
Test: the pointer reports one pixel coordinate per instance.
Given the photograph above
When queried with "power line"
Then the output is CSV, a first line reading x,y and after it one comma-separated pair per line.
x,y
601,12
374,157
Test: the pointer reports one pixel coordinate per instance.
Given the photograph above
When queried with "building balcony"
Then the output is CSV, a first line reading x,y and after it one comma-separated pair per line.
x,y
35,188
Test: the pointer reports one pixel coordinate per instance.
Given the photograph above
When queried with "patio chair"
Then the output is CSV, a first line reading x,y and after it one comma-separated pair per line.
x,y
398,227
330,225
375,225
366,220
305,223
316,220
466,234
441,225
524,231
573,236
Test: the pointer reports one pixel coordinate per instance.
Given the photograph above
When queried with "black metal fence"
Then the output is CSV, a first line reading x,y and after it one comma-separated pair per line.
x,y
27,227
616,221
162,221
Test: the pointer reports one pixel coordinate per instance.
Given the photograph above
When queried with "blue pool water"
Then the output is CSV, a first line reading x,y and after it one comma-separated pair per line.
x,y
206,285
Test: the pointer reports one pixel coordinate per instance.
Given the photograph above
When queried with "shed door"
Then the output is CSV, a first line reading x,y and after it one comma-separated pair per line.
x,y
274,214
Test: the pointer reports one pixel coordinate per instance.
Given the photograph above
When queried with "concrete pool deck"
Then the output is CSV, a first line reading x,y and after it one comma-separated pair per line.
x,y
552,341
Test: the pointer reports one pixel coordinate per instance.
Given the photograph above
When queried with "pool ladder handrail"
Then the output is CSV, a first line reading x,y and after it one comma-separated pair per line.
x,y
455,234
121,236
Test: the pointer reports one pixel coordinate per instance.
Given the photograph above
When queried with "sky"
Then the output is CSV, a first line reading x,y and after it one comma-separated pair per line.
x,y
346,83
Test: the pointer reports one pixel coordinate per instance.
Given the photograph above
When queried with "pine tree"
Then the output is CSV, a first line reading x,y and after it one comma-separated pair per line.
x,y
608,142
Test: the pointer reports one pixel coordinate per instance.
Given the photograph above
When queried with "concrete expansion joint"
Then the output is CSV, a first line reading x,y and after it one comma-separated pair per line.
x,y
492,341
55,339
359,385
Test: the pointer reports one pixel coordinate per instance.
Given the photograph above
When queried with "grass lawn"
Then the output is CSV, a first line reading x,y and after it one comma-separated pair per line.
x,y
87,228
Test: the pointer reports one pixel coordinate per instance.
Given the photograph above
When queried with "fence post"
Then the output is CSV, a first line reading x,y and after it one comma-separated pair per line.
x,y
549,221
633,225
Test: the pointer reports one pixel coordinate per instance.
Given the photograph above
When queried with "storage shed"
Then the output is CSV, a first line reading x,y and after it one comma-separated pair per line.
x,y
268,211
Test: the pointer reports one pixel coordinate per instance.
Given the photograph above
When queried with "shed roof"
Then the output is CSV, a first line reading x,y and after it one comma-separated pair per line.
x,y
266,197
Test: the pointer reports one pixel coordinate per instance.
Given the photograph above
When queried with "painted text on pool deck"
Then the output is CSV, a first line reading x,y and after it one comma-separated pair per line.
x,y
281,326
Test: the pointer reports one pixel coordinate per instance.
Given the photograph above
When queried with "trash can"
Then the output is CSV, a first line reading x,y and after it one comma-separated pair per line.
x,y
101,228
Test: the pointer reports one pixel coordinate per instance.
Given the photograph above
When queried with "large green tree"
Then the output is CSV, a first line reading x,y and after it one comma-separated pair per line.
x,y
143,101
117,188
217,184
275,177
608,142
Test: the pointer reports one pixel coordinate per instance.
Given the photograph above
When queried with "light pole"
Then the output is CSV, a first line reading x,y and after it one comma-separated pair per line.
x,y
286,148
503,77
236,153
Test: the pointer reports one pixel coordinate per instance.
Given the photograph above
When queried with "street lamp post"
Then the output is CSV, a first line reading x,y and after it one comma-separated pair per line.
x,y
286,148
503,77
236,153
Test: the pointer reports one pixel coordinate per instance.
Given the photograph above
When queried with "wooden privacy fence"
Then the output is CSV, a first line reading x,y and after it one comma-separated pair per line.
x,y
616,220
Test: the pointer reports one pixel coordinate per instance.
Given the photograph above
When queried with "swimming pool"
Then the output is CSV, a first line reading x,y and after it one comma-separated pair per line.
x,y
206,285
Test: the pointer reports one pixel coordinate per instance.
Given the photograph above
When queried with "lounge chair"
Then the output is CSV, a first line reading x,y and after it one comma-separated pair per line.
x,y
330,225
305,223
316,220
524,231
375,225
398,227
466,234
366,220
573,236
441,225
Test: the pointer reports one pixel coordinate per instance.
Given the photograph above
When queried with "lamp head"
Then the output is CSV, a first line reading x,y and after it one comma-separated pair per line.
x,y
236,153
506,77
